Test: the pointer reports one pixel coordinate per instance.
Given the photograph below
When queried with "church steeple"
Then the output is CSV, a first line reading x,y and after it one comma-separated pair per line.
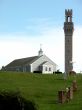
x,y
40,52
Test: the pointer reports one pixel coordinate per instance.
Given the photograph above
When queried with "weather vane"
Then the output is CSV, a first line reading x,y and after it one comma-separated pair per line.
x,y
40,46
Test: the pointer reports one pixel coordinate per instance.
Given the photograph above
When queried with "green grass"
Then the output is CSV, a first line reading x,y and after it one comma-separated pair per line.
x,y
42,89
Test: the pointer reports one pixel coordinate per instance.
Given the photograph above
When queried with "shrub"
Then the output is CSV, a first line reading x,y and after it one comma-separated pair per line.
x,y
13,101
58,72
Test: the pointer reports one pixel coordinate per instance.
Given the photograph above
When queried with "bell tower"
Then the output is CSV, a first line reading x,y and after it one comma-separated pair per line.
x,y
68,31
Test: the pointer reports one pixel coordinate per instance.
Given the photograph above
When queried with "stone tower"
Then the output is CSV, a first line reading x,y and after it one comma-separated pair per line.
x,y
68,30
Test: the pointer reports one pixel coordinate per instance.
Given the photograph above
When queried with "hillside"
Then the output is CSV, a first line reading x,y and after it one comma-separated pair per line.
x,y
42,89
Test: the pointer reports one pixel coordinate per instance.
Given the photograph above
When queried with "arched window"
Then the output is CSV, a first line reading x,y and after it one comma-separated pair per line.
x,y
68,19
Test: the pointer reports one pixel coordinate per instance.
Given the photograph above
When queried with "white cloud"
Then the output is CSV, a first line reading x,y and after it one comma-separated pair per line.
x,y
52,40
37,26
77,37
13,46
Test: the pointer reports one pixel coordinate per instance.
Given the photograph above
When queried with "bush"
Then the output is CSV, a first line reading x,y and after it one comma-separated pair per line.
x,y
58,72
13,101
37,72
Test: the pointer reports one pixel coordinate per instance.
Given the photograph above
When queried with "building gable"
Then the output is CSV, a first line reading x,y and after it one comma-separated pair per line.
x,y
35,65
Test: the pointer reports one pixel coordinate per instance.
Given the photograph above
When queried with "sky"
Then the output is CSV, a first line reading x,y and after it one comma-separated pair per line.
x,y
25,24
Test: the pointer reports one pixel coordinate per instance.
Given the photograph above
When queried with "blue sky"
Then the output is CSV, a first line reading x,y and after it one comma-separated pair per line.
x,y
24,24
16,15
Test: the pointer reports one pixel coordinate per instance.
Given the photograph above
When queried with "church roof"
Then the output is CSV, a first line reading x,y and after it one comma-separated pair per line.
x,y
23,61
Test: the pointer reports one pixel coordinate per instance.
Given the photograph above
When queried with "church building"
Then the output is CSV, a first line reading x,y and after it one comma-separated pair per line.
x,y
39,64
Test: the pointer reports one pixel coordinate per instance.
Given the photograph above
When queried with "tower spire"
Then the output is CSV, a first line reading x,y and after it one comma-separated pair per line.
x,y
40,52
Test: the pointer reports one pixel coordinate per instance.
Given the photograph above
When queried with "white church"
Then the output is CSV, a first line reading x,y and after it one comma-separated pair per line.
x,y
35,64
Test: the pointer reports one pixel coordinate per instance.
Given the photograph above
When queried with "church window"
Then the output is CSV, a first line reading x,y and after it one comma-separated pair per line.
x,y
46,69
49,69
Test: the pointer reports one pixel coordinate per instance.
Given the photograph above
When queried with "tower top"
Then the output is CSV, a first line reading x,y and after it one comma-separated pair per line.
x,y
68,12
68,15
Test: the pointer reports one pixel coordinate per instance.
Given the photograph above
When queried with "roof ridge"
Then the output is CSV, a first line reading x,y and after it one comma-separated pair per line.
x,y
25,57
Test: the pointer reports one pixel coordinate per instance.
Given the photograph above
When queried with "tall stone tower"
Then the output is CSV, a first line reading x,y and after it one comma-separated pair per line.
x,y
68,30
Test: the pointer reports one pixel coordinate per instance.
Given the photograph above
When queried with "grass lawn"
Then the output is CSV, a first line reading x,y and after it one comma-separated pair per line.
x,y
42,89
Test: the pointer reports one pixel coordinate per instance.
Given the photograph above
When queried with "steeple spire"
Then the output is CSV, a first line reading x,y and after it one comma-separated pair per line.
x,y
40,52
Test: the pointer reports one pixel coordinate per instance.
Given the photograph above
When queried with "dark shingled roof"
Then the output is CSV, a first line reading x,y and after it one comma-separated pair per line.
x,y
23,61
